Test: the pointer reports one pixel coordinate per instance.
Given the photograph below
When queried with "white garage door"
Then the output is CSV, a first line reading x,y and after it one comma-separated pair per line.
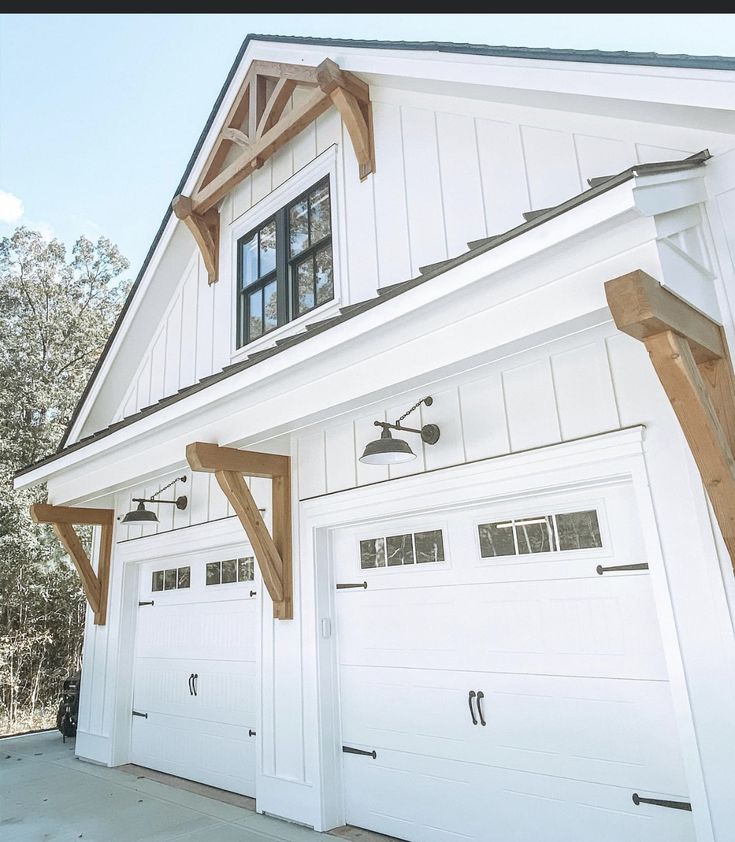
x,y
509,690
195,680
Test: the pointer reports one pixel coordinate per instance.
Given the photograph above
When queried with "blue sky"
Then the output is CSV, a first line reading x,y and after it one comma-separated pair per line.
x,y
99,113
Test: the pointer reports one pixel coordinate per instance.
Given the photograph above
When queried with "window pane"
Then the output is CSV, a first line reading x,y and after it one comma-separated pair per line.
x,y
184,577
372,553
213,573
305,286
578,531
320,223
170,580
324,276
399,550
533,535
255,308
157,581
270,308
298,227
245,569
429,546
250,261
496,539
229,571
267,248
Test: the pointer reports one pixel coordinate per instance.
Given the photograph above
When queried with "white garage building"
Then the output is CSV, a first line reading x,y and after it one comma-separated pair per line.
x,y
508,615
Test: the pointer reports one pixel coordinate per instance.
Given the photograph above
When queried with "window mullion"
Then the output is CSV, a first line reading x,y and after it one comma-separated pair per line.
x,y
282,273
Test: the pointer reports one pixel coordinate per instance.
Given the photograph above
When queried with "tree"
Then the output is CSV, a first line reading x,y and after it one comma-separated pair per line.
x,y
55,316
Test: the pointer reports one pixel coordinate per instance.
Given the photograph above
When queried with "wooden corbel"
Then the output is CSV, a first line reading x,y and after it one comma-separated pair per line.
x,y
63,519
689,353
273,554
205,230
351,98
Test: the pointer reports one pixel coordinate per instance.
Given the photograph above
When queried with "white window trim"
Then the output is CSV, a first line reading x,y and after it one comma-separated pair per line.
x,y
324,164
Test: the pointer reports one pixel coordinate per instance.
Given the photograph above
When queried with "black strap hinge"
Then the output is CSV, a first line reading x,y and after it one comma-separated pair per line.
x,y
343,586
350,750
661,802
138,713
146,603
600,569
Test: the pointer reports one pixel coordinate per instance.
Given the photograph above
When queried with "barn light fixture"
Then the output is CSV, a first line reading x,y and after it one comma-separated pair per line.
x,y
142,515
390,451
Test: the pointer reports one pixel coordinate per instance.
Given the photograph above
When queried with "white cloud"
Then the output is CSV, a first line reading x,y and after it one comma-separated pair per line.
x,y
11,208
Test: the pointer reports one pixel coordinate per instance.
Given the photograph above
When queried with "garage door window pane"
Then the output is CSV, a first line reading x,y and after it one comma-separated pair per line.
x,y
229,571
429,546
214,573
399,550
578,531
245,569
157,580
534,535
496,539
372,553
170,580
184,577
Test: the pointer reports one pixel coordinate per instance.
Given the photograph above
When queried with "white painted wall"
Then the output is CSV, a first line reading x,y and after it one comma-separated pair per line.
x,y
449,170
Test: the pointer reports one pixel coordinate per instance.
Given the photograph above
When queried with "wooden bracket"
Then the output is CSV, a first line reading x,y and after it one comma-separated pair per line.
x,y
689,353
205,230
63,519
272,553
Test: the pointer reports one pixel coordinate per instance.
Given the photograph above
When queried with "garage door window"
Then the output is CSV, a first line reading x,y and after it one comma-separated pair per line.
x,y
540,534
400,550
231,571
171,579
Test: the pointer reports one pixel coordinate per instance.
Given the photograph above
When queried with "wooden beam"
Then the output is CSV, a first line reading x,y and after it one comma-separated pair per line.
x,y
641,308
43,513
274,553
678,372
207,457
63,519
293,123
274,108
690,356
237,137
205,230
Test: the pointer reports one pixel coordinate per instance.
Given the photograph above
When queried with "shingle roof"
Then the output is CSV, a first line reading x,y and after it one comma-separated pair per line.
x,y
475,248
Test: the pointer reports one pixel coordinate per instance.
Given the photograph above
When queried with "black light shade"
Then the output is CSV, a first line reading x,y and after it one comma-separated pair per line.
x,y
387,451
140,515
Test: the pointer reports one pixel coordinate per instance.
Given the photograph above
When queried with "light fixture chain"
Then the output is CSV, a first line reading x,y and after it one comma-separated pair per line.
x,y
409,411
161,490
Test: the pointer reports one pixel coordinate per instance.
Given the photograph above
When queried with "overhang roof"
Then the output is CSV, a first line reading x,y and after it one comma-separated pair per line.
x,y
533,220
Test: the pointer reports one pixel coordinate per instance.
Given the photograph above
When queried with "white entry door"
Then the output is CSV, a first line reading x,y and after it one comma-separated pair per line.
x,y
508,678
194,708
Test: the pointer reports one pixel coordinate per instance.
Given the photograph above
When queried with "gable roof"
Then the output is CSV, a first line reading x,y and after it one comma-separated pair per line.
x,y
531,53
533,219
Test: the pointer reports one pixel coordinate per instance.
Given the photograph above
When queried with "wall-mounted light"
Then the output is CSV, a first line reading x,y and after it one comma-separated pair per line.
x,y
142,515
388,450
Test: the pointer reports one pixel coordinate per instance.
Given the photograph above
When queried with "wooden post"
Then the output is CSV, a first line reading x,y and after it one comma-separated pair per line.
x,y
63,519
272,553
690,356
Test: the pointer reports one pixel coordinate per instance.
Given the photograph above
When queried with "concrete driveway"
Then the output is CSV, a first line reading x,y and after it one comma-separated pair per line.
x,y
47,794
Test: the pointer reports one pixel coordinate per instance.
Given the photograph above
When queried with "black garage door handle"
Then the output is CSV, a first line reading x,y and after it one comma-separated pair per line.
x,y
471,695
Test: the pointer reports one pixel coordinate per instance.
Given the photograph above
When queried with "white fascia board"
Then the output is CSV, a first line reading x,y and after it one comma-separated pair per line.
x,y
667,85
591,234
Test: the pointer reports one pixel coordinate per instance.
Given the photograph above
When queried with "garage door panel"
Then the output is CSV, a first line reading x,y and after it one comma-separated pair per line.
x,y
199,630
223,756
409,796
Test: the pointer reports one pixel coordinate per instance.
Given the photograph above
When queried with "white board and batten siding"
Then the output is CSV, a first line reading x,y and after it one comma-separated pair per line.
x,y
563,391
449,171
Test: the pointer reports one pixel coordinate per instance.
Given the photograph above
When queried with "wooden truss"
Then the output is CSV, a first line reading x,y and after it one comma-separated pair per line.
x,y
258,124
272,553
689,352
63,519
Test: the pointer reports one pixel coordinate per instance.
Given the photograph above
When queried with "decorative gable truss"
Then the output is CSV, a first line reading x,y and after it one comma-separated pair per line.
x,y
259,124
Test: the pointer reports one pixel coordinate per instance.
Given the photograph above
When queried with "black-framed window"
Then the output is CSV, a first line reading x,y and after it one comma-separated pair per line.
x,y
285,265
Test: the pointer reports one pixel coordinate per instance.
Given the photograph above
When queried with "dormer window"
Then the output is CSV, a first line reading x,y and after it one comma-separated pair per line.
x,y
285,266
